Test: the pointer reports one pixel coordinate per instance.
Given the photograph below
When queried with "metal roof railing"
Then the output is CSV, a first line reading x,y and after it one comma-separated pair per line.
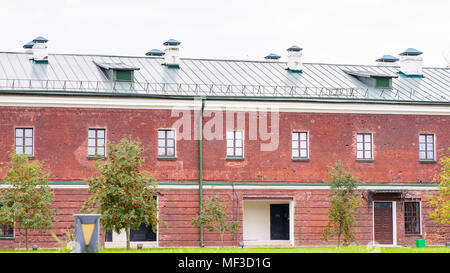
x,y
185,89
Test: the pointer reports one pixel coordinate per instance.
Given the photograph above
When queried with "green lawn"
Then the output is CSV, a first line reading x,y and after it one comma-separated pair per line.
x,y
349,249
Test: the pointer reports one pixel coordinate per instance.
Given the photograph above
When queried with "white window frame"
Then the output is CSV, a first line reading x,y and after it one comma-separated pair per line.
x,y
307,144
174,144
372,150
32,138
98,128
234,142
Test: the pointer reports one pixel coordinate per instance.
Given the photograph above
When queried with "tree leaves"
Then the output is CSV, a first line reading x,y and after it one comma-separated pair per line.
x,y
344,203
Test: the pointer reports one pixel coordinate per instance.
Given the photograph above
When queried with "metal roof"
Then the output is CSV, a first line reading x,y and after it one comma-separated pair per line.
x,y
67,73
370,74
155,52
116,66
387,58
412,52
295,48
40,39
172,42
272,56
30,44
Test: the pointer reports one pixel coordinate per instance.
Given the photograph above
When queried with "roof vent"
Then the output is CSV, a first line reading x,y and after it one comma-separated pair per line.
x,y
39,49
411,63
387,60
155,52
171,56
272,57
28,47
294,59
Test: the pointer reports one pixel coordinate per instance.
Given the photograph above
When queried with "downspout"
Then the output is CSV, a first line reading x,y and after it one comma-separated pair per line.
x,y
200,164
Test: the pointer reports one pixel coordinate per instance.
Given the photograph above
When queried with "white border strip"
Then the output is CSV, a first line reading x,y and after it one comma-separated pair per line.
x,y
190,104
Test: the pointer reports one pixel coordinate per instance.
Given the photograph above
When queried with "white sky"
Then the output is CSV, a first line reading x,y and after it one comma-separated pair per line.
x,y
330,31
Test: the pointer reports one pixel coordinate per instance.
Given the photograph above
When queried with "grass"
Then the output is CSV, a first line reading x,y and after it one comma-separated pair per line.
x,y
348,249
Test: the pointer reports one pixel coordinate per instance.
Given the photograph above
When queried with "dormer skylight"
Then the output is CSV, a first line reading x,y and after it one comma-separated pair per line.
x,y
373,79
120,72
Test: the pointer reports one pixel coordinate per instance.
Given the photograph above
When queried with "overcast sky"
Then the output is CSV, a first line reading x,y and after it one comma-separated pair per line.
x,y
330,31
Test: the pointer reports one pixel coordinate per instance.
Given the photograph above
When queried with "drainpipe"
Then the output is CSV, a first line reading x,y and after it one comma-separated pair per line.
x,y
200,164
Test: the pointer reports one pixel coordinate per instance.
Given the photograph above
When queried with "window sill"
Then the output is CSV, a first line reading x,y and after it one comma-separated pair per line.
x,y
300,159
7,238
96,157
167,158
234,158
365,160
427,161
413,235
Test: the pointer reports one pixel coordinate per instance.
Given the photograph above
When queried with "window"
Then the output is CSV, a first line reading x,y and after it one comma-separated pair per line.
x,y
235,144
24,141
383,82
426,147
166,143
96,142
412,218
6,231
142,234
123,75
364,146
300,145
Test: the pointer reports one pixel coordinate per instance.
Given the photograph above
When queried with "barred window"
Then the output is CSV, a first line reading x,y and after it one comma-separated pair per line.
x,y
235,144
6,231
24,141
426,147
412,218
364,146
166,143
300,145
96,142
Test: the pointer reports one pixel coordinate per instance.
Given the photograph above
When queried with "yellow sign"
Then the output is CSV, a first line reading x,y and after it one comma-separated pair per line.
x,y
88,229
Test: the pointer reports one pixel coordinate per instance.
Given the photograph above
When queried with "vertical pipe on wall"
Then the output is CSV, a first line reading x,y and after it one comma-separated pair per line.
x,y
200,164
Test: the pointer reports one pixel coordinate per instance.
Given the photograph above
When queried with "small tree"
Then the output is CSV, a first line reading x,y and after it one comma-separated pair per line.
x,y
121,192
28,199
344,202
441,203
214,217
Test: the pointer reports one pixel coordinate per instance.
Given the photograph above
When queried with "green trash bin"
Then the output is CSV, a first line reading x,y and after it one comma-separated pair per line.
x,y
420,243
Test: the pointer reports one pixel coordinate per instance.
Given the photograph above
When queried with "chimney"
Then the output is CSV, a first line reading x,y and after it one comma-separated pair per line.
x,y
28,47
272,57
387,60
294,59
411,63
171,56
39,49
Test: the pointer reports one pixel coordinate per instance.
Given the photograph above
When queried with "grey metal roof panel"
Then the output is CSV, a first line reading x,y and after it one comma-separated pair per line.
x,y
218,78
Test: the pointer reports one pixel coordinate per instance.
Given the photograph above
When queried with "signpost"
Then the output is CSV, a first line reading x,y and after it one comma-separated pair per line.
x,y
87,233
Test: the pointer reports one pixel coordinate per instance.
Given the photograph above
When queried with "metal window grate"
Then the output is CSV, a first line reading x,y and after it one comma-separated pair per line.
x,y
412,218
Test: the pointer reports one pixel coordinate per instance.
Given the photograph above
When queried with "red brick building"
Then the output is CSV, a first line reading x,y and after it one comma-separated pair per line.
x,y
270,131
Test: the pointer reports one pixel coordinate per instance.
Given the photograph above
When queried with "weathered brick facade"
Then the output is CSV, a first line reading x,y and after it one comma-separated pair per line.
x,y
61,142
